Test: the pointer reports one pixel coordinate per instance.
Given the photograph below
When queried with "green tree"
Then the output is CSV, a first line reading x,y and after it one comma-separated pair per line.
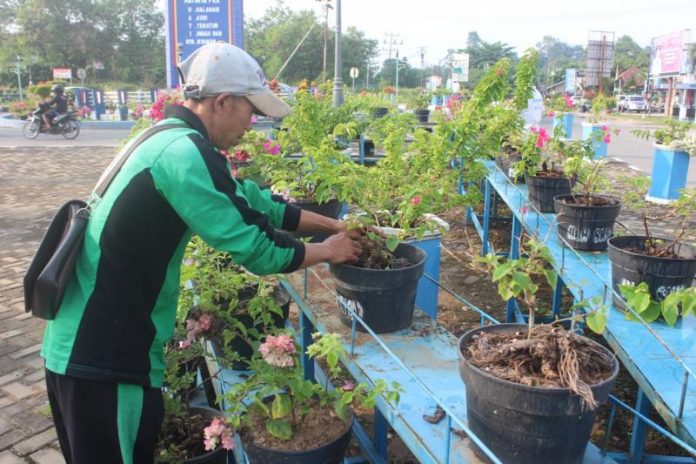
x,y
627,53
483,55
555,57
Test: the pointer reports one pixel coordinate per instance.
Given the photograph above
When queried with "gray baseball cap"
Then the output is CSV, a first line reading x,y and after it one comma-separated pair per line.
x,y
217,68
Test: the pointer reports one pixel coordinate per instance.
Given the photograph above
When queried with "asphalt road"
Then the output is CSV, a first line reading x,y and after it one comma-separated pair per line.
x,y
626,146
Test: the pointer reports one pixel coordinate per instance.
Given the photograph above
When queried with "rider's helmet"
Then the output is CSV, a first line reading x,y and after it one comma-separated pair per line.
x,y
57,89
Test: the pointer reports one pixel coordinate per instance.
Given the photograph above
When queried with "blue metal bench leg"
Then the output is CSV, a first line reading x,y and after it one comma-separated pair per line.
x,y
381,429
515,235
557,297
486,217
637,447
306,330
361,149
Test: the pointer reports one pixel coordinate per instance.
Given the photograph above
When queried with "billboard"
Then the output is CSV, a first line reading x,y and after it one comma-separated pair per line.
x,y
570,80
193,23
600,57
666,53
460,67
62,73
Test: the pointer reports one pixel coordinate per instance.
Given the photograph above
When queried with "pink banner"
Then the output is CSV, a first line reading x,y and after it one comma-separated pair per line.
x,y
667,53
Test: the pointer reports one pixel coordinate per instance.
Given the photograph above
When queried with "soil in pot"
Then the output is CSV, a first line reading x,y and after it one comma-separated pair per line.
x,y
183,436
586,222
527,398
319,437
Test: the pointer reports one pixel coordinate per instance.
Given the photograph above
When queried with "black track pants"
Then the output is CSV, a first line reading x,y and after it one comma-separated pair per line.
x,y
105,423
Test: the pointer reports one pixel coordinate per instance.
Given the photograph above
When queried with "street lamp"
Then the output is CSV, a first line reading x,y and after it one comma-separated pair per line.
x,y
338,61
19,77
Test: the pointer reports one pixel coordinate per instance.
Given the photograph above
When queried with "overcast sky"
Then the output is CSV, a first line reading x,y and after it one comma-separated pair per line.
x,y
441,24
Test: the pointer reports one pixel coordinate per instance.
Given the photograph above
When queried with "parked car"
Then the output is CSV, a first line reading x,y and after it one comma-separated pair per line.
x,y
631,103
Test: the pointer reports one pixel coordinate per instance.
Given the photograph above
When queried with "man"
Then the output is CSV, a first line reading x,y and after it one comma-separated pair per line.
x,y
59,102
104,350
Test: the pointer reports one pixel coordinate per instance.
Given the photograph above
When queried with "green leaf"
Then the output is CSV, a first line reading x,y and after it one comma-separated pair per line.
x,y
670,313
551,277
688,303
281,406
640,302
502,270
342,410
652,313
392,243
279,428
522,279
596,321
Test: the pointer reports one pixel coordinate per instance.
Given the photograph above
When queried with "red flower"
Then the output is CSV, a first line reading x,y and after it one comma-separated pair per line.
x,y
415,201
552,113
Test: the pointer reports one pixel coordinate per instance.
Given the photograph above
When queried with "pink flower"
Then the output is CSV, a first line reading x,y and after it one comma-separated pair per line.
x,y
348,386
533,129
271,147
569,101
552,113
206,321
607,138
524,210
183,344
415,201
241,155
217,432
605,128
542,138
277,351
254,119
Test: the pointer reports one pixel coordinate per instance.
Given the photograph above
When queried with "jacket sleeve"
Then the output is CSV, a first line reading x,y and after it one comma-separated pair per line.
x,y
195,180
283,215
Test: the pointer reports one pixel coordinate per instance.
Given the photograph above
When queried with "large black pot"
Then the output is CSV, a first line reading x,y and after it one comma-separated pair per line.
x,y
219,454
663,275
586,227
422,115
542,189
383,298
523,424
330,209
379,111
331,453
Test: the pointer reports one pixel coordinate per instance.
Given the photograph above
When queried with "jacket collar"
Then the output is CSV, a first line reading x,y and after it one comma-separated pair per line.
x,y
188,116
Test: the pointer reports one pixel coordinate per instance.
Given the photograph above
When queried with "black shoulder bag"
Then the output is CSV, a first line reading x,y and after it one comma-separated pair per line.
x,y
54,262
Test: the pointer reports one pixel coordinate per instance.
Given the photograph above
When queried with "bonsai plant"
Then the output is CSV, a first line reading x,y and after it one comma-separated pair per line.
x,y
283,417
585,220
673,149
543,382
665,263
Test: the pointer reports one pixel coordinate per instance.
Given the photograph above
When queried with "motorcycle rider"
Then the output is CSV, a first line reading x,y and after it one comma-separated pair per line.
x,y
59,101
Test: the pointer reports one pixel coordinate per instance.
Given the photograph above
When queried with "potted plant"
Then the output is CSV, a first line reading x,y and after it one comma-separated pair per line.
x,y
192,434
599,108
282,417
241,308
418,102
680,301
666,264
533,390
246,158
560,108
585,220
673,149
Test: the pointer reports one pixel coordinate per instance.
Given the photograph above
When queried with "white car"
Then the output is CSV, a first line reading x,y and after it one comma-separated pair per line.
x,y
631,103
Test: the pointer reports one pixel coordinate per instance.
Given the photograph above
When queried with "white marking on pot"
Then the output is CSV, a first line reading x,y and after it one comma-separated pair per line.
x,y
355,305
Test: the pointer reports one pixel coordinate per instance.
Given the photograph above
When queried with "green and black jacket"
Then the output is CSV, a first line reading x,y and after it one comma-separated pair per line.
x,y
119,309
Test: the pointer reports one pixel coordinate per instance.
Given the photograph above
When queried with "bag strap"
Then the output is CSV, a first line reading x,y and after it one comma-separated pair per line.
x,y
123,156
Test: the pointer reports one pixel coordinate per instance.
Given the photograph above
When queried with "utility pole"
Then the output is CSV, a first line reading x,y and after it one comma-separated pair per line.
x,y
391,41
397,74
19,77
422,57
326,5
338,61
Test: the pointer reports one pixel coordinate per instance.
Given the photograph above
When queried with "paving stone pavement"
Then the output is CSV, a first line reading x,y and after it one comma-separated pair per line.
x,y
34,182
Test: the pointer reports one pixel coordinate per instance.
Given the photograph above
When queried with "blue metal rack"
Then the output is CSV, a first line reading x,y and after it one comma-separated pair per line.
x,y
660,358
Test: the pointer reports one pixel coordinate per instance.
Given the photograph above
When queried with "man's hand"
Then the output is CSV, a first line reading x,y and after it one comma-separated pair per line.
x,y
343,247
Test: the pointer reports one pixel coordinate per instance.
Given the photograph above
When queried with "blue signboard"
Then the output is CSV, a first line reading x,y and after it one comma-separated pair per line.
x,y
193,23
570,78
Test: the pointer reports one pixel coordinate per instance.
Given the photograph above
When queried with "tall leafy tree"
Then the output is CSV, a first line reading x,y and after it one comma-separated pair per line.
x,y
627,53
555,56
483,55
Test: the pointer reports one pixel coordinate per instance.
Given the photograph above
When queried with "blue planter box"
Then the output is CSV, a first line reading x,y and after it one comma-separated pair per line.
x,y
669,171
600,147
565,120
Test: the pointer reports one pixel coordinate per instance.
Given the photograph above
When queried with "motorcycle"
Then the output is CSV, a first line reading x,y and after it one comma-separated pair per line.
x,y
65,124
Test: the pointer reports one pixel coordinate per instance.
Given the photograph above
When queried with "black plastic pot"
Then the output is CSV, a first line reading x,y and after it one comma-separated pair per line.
x,y
331,453
422,115
542,189
586,227
383,298
663,275
240,345
379,112
331,209
523,424
218,455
